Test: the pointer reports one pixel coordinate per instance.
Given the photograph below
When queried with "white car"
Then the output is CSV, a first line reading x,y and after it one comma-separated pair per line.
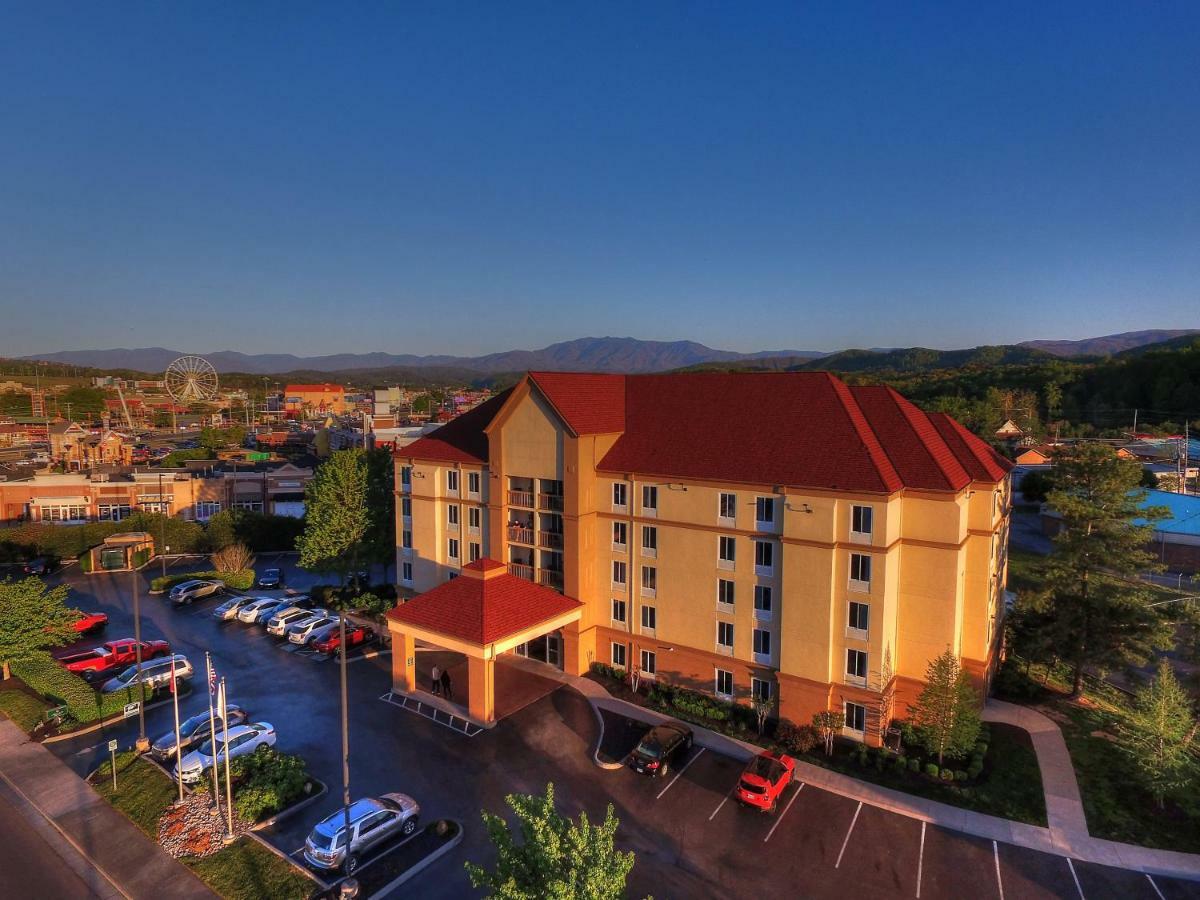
x,y
257,607
231,607
301,632
285,617
243,739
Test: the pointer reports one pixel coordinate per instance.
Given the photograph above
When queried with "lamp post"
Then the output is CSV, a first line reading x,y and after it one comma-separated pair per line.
x,y
143,744
162,526
345,737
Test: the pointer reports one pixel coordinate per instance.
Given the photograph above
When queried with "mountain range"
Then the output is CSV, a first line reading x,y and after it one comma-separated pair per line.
x,y
613,354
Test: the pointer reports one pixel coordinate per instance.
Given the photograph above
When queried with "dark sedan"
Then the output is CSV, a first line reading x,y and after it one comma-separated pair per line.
x,y
661,745
270,579
194,731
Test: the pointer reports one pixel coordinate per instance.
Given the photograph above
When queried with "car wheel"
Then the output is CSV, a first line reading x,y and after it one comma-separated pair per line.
x,y
687,743
666,767
351,864
410,826
774,806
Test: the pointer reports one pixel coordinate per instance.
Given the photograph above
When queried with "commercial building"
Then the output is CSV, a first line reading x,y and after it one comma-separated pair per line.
x,y
314,400
777,535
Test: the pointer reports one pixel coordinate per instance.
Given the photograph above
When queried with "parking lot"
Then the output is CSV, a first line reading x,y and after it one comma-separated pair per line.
x,y
690,837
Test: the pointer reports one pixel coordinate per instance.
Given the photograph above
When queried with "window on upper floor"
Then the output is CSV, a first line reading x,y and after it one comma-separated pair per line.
x,y
618,575
452,481
726,552
618,655
474,517
406,476
856,666
406,539
618,611
452,515
473,483
764,557
727,507
649,540
859,617
452,548
861,520
860,571
649,663
620,535
474,551
406,507
406,572
725,591
762,644
649,499
649,581
725,636
620,495
723,682
763,600
649,618
764,511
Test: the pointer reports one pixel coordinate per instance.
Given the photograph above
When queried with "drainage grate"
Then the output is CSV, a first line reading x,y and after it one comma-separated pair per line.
x,y
433,713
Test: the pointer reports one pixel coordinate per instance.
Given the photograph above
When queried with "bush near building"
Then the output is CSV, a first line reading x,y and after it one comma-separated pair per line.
x,y
54,683
266,782
238,581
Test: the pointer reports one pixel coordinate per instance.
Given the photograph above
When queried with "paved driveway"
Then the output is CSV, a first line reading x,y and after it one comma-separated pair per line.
x,y
690,838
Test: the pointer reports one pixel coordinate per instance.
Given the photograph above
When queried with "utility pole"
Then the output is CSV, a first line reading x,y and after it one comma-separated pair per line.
x,y
345,739
162,525
142,743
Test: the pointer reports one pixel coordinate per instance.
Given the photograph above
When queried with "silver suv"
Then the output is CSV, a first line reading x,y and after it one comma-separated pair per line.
x,y
372,822
155,674
194,590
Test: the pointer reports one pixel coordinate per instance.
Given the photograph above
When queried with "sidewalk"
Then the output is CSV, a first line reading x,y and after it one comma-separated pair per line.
x,y
1067,834
129,861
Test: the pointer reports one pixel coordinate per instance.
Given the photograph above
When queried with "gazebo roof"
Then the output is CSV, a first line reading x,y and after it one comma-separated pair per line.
x,y
484,605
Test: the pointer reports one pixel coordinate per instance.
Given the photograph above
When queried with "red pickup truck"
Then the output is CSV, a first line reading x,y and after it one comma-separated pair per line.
x,y
89,622
111,655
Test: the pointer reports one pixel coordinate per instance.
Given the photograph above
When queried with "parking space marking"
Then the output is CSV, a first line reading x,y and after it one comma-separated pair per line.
x,y
686,765
1155,886
850,831
1071,866
297,851
920,860
999,883
722,803
799,788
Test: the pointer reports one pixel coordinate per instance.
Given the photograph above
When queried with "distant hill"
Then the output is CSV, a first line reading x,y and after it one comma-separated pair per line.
x,y
1111,343
1182,342
907,360
605,354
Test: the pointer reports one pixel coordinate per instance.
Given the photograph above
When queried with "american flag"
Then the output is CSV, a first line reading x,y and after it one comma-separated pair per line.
x,y
212,680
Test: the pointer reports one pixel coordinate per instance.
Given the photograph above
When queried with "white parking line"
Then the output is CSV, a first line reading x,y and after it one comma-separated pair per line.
x,y
725,799
996,854
849,831
297,851
1071,866
699,753
1155,886
784,813
920,860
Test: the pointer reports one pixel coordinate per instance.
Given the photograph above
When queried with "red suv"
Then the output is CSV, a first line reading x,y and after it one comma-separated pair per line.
x,y
765,779
355,636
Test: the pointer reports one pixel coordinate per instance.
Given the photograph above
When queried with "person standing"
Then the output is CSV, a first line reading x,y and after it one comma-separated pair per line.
x,y
436,677
446,692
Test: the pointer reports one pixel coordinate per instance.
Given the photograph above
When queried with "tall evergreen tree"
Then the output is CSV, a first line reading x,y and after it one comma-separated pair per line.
x,y
946,714
1099,613
381,507
336,516
1159,734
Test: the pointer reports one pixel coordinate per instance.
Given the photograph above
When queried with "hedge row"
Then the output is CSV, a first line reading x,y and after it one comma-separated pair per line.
x,y
238,581
57,685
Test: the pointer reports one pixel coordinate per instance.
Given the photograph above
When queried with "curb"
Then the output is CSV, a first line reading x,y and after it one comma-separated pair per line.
x,y
424,863
613,766
291,862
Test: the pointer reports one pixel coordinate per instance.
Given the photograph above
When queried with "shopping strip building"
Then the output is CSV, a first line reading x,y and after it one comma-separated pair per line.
x,y
778,534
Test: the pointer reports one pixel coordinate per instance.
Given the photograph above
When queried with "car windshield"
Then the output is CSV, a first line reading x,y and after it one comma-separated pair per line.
x,y
324,841
650,747
207,747
128,675
765,767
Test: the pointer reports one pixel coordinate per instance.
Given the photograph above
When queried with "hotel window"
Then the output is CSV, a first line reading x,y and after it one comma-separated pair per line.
x,y
406,539
762,601
406,507
452,481
473,483
760,689
861,521
856,666
649,540
649,581
618,573
406,572
452,516
725,636
452,548
474,551
649,618
764,511
249,505
860,572
619,536
724,682
474,517
649,500
856,717
620,495
727,507
764,557
114,512
725,591
649,663
859,618
618,655
762,645
618,611
726,552
206,509
406,476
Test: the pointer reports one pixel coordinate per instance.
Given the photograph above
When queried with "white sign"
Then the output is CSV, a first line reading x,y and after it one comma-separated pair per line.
x,y
112,746
131,709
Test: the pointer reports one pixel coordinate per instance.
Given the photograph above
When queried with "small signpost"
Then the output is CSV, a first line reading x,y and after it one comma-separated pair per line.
x,y
56,713
131,709
112,749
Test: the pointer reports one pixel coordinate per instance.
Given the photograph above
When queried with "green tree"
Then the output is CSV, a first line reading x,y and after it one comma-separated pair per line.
x,y
946,714
337,520
555,858
1159,734
1036,485
381,508
1099,613
32,616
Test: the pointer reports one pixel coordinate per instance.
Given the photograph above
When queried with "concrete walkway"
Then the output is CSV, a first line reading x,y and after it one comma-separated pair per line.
x,y
133,865
1066,834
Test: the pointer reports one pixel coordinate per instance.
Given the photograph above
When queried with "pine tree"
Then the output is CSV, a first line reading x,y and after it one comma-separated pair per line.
x,y
946,714
336,516
1159,734
32,616
1099,612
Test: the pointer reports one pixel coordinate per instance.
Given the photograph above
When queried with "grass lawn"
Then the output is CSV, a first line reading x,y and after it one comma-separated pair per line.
x,y
23,709
245,869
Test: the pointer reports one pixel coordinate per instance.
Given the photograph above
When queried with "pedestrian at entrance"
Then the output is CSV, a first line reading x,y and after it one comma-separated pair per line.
x,y
436,677
446,692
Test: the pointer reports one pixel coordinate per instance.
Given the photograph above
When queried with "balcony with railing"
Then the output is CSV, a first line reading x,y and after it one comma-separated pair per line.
x,y
520,492
550,578
550,502
520,535
550,540
521,570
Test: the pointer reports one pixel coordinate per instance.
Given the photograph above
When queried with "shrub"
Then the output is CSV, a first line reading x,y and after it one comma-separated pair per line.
x,y
931,769
269,781
960,775
900,764
975,769
238,581
604,670
85,563
981,749
947,774
140,558
914,765
233,558
797,739
57,685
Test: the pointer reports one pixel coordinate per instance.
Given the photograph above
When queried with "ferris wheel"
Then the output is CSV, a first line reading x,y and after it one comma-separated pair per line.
x,y
190,379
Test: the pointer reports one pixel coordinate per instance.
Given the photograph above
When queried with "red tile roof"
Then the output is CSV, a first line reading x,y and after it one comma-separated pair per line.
x,y
977,456
912,443
461,439
483,606
588,404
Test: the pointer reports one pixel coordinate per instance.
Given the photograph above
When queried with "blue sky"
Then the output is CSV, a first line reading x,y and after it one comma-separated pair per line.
x,y
464,178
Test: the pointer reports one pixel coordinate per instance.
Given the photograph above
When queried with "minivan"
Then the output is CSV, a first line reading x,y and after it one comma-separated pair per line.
x,y
155,674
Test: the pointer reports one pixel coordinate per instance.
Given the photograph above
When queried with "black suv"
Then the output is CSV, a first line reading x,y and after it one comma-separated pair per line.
x,y
661,744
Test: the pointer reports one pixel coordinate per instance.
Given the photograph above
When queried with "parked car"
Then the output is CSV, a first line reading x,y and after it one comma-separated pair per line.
x,y
301,632
90,623
330,641
660,746
231,607
41,565
194,731
194,590
372,822
284,617
111,655
271,579
258,610
243,739
155,674
765,779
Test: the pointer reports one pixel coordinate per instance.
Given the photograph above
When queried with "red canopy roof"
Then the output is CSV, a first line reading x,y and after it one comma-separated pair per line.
x,y
483,605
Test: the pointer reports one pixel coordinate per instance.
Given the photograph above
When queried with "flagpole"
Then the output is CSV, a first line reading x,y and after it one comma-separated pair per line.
x,y
225,748
212,732
178,742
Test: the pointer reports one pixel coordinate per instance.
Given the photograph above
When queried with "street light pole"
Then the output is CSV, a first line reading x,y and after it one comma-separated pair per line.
x,y
162,526
345,737
142,743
